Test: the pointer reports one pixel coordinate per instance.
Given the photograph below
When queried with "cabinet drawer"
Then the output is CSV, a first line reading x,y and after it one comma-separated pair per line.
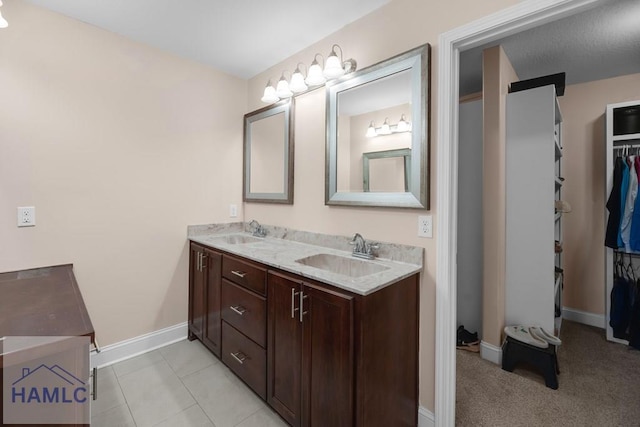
x,y
245,311
245,358
246,274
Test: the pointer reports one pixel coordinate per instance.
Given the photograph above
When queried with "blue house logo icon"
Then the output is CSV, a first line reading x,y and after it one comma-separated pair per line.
x,y
48,385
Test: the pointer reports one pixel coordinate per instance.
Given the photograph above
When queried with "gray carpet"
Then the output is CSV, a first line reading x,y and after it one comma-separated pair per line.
x,y
599,386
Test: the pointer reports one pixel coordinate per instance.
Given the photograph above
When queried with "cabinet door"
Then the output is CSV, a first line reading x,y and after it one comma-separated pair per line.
x,y
196,292
284,347
213,278
327,358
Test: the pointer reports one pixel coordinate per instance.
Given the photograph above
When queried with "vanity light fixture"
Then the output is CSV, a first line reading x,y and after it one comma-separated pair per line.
x,y
385,129
282,90
315,76
334,67
402,125
269,95
371,131
3,22
388,129
297,83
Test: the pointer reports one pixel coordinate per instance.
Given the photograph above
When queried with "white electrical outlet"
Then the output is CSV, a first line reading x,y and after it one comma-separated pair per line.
x,y
233,211
425,226
26,216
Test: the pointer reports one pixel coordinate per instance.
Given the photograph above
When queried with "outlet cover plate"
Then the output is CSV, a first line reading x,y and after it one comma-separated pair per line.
x,y
425,226
26,216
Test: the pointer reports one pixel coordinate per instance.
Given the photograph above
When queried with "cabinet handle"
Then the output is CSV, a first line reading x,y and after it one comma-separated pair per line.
x,y
239,357
202,258
94,388
238,309
199,267
293,303
302,298
239,273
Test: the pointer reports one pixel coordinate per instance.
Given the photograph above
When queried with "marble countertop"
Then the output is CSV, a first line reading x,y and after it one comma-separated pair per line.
x,y
280,250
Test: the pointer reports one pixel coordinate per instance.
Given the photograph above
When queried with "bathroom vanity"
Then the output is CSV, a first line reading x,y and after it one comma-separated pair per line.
x,y
324,338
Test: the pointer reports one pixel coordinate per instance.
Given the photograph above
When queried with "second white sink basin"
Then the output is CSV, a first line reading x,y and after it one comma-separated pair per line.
x,y
350,267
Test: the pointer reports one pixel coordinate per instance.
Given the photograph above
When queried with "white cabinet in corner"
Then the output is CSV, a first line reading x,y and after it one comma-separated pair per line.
x,y
532,185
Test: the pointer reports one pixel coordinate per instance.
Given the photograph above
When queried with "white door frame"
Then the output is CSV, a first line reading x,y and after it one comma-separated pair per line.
x,y
520,17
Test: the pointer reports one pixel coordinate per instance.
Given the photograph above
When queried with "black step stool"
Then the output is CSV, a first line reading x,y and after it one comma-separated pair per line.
x,y
544,359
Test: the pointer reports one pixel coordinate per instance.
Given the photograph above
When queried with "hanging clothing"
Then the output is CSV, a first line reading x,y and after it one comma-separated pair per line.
x,y
613,206
624,189
620,312
634,237
625,226
634,318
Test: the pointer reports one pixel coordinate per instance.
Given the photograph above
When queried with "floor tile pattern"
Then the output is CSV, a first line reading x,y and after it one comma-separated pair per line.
x,y
180,385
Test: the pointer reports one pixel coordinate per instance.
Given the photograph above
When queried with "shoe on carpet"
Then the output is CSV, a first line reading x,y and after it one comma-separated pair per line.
x,y
544,335
465,337
522,334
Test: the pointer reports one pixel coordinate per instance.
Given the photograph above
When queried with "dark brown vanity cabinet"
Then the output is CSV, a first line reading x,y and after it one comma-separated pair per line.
x,y
244,321
205,266
319,355
310,357
339,359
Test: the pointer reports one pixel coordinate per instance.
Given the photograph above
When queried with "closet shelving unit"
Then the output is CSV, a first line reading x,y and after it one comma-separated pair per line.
x,y
533,183
613,144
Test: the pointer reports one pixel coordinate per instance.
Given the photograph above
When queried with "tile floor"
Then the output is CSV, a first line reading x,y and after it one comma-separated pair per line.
x,y
182,384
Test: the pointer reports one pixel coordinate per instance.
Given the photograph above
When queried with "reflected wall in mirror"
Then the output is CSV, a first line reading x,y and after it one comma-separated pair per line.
x,y
268,154
382,108
387,171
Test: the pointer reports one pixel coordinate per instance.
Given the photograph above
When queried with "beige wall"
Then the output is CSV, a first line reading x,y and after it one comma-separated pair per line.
x,y
497,73
583,162
119,147
392,29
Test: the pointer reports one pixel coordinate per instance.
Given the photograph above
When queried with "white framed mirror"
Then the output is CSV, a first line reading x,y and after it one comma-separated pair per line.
x,y
382,108
268,154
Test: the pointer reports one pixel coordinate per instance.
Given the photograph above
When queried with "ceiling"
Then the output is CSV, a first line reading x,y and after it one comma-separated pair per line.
x,y
239,37
246,37
600,43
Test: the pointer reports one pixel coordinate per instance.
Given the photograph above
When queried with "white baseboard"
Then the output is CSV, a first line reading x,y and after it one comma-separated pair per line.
x,y
425,417
122,350
586,318
490,352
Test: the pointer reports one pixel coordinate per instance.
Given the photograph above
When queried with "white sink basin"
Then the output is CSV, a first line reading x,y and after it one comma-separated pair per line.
x,y
239,239
350,267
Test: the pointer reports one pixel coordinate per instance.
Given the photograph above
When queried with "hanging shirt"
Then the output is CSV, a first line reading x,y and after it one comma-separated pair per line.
x,y
613,206
634,237
624,189
625,226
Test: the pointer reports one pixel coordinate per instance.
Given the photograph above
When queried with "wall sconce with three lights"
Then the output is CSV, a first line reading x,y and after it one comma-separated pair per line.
x,y
334,67
387,129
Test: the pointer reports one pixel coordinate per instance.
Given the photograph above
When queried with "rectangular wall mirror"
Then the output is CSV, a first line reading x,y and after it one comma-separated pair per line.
x,y
268,154
381,109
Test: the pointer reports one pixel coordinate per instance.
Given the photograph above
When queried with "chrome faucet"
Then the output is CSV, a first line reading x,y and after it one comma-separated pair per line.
x,y
361,248
256,229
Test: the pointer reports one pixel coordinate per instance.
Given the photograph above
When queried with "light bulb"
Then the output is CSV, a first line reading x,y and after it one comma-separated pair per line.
x,y
3,22
269,95
282,90
297,84
385,129
371,131
403,126
315,77
333,66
